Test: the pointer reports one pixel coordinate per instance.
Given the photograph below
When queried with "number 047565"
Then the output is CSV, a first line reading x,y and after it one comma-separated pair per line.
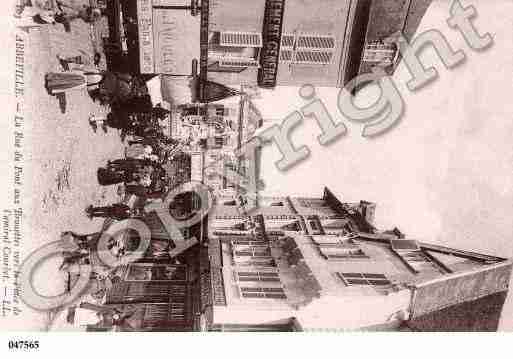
x,y
24,344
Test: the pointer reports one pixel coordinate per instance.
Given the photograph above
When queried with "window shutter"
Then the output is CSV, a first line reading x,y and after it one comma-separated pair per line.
x,y
236,63
240,39
287,41
253,255
373,279
333,253
262,292
313,49
328,240
258,277
249,242
313,57
319,42
286,55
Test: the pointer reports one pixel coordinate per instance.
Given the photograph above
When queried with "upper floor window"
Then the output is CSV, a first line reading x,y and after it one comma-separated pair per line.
x,y
371,279
334,253
257,276
276,204
259,284
311,49
293,226
414,257
248,242
335,248
252,251
263,292
380,53
233,51
257,255
312,202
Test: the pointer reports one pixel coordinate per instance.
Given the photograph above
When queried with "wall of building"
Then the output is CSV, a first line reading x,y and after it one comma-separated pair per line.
x,y
331,18
316,285
325,18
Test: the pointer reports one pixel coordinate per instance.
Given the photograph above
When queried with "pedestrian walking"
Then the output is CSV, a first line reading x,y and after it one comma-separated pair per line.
x,y
117,211
61,82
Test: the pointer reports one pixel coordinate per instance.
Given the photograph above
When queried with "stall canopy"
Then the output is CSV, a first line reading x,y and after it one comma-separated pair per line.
x,y
154,86
210,91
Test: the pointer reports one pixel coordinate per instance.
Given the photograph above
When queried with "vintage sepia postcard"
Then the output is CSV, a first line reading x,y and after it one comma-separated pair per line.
x,y
256,166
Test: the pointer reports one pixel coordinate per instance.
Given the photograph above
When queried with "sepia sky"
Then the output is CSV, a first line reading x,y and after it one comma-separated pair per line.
x,y
445,173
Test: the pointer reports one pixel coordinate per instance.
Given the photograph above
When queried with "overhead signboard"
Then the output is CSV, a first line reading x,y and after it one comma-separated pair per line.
x,y
176,41
145,29
271,36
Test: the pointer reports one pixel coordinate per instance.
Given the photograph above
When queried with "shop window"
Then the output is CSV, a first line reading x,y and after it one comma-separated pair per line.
x,y
156,272
370,279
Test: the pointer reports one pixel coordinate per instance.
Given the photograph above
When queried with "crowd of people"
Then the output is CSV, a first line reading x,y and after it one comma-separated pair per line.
x,y
41,12
143,171
139,173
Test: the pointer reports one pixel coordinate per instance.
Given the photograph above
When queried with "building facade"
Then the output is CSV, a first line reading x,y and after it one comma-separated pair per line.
x,y
318,263
299,264
273,42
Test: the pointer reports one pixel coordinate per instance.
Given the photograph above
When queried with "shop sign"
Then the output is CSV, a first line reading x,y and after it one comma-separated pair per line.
x,y
145,29
271,36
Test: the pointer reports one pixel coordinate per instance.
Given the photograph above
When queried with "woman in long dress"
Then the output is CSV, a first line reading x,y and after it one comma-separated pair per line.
x,y
58,82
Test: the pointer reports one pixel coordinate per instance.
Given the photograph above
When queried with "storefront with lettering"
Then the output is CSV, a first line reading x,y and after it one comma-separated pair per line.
x,y
270,43
265,43
169,36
